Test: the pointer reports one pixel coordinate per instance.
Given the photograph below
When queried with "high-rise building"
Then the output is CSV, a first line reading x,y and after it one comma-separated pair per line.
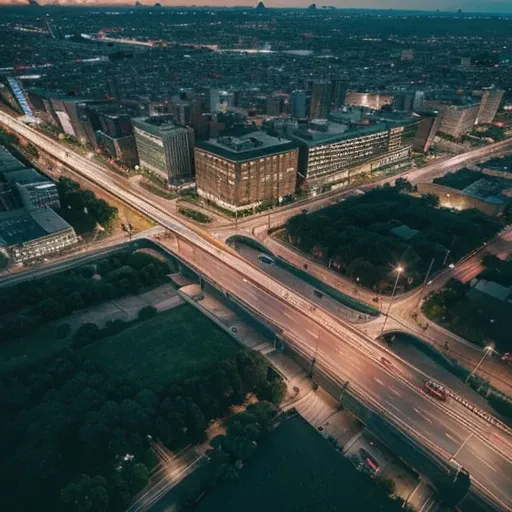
x,y
419,99
213,100
458,120
491,101
113,88
427,129
239,173
298,104
339,89
275,104
165,148
403,101
320,100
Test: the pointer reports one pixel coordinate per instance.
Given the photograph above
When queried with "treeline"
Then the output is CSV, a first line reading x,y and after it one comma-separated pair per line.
x,y
82,209
74,438
354,237
32,303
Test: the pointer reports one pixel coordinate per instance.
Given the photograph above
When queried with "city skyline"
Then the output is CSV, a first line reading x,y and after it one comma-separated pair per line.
x,y
484,6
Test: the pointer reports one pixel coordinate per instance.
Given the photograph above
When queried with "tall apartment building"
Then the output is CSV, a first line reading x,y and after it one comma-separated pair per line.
x,y
239,173
332,153
320,100
275,104
491,101
165,148
339,89
298,104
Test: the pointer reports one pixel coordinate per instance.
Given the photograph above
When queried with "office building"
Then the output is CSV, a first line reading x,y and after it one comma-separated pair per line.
x,y
491,101
165,148
113,88
239,173
298,104
33,189
8,162
213,100
403,101
275,103
429,122
338,92
458,120
32,233
419,99
332,153
320,105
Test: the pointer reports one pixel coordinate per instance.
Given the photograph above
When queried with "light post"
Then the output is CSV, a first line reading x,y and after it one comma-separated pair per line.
x,y
487,350
399,271
425,282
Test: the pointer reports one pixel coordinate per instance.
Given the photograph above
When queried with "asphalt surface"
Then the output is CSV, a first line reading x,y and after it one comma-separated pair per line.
x,y
347,354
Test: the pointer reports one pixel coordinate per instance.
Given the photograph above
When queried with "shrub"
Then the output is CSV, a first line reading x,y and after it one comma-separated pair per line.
x,y
85,335
146,313
62,331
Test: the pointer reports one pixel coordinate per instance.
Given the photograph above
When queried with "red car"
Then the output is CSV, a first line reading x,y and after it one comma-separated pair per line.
x,y
434,389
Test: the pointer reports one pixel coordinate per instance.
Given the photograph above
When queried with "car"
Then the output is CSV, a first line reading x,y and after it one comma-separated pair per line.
x,y
264,258
318,294
434,389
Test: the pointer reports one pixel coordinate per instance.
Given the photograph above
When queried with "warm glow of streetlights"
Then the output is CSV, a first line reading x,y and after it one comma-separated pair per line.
x,y
400,269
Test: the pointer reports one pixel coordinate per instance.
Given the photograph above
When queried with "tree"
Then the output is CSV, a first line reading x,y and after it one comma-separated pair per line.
x,y
62,331
136,476
86,334
430,200
87,494
403,185
4,261
146,313
50,309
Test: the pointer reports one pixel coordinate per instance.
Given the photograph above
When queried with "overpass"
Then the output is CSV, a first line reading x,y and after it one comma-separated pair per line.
x,y
340,350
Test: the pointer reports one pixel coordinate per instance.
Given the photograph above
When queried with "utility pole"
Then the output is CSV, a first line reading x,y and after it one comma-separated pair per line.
x,y
425,281
486,351
343,389
399,271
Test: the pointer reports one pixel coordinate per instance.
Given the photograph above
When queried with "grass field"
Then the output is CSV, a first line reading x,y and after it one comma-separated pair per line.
x,y
297,470
170,346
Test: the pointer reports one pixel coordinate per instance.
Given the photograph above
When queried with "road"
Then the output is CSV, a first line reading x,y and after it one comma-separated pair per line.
x,y
340,349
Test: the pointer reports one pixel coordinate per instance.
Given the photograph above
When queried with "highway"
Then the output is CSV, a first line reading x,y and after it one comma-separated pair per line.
x,y
340,348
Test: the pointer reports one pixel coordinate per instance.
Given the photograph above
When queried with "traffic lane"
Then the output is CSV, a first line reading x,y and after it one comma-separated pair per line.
x,y
446,435
430,367
165,220
488,469
296,284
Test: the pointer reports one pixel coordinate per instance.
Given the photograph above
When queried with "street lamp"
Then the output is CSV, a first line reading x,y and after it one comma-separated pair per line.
x,y
399,271
487,350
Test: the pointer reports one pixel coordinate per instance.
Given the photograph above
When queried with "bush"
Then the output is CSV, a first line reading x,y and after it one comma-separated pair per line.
x,y
62,331
85,335
146,313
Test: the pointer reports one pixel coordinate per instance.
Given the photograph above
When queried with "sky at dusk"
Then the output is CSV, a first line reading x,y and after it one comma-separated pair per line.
x,y
491,6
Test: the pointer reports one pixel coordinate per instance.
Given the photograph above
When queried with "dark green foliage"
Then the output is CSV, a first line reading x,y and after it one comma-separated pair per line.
x,y
85,335
480,319
62,331
146,313
50,298
86,207
4,261
355,237
72,423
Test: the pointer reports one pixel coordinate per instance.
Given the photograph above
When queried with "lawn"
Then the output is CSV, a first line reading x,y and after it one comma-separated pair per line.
x,y
171,346
295,469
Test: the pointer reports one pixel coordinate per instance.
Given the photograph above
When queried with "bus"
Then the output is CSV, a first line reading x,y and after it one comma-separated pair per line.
x,y
434,389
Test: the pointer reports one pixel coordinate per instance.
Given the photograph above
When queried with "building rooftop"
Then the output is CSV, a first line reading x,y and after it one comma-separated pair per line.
x,y
23,225
25,177
8,162
157,125
247,147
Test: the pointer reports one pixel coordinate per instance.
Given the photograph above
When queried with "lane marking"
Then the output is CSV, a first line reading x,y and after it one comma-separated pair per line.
x,y
378,381
393,406
422,414
451,437
483,461
312,334
393,390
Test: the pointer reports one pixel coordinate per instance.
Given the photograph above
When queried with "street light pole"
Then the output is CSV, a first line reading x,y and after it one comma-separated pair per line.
x,y
399,271
425,281
486,351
